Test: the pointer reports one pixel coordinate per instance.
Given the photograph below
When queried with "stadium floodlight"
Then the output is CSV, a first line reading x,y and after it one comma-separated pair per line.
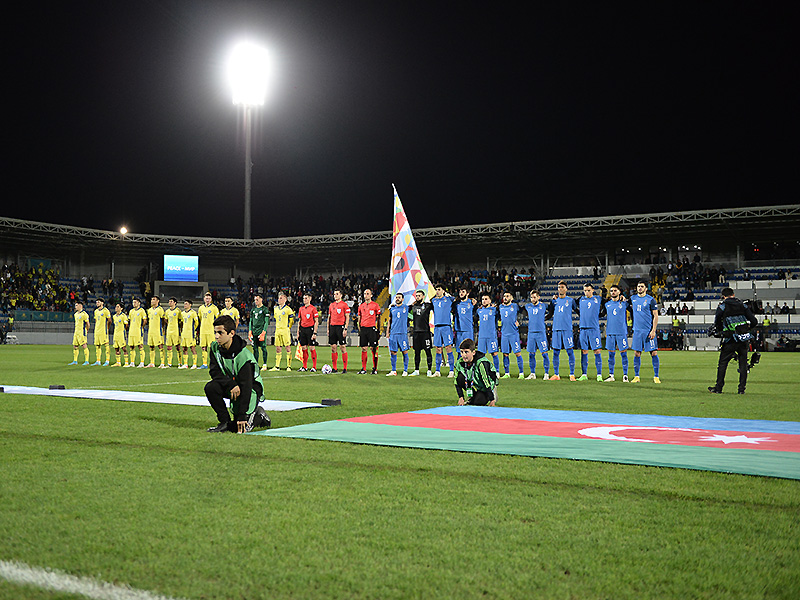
x,y
248,71
123,230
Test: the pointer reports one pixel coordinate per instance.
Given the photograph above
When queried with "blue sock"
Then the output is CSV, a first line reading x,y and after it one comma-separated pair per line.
x,y
546,361
505,362
405,361
519,363
556,361
571,356
624,363
450,361
637,363
394,362
438,362
532,362
496,360
598,363
584,363
656,365
612,357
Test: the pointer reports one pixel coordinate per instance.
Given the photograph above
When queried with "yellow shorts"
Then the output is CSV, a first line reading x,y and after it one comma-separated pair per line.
x,y
119,342
154,338
78,339
187,342
206,339
100,340
173,339
135,338
283,338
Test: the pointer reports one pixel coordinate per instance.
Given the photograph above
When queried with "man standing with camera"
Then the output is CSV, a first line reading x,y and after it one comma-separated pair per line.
x,y
733,321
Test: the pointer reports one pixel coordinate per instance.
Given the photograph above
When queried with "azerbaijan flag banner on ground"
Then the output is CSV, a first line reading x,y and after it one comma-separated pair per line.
x,y
770,448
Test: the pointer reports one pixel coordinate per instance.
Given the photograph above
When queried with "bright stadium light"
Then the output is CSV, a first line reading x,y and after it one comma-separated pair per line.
x,y
123,230
248,72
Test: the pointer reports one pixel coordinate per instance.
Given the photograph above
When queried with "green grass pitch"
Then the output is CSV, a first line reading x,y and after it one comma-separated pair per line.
x,y
139,494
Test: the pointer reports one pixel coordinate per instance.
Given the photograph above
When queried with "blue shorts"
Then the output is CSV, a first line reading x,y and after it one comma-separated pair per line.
x,y
562,339
398,341
487,345
617,342
442,336
590,339
510,343
537,340
643,343
460,336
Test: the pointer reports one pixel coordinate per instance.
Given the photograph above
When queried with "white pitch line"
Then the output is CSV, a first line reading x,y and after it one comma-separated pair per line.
x,y
135,385
54,580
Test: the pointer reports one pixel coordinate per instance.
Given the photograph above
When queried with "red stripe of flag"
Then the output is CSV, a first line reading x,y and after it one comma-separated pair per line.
x,y
630,433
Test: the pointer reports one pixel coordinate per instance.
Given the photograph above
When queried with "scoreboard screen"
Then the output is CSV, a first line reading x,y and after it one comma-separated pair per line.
x,y
180,268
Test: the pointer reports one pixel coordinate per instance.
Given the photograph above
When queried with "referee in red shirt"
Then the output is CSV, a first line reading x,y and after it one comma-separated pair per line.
x,y
368,314
339,314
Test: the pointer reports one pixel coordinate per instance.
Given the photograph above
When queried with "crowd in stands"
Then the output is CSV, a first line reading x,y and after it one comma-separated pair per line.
x,y
32,289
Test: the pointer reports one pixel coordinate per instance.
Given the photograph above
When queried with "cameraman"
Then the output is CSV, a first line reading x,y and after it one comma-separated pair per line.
x,y
733,321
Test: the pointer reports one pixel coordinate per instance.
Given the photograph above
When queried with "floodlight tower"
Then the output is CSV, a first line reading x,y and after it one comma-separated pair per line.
x,y
247,71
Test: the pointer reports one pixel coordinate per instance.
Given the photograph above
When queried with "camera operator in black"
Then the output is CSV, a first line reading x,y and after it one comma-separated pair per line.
x,y
733,321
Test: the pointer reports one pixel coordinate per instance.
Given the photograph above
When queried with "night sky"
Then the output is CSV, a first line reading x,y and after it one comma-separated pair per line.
x,y
119,113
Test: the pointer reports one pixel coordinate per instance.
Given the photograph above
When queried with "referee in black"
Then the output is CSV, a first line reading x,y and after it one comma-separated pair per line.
x,y
733,320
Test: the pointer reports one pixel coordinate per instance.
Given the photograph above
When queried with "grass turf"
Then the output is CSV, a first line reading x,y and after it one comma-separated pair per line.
x,y
140,494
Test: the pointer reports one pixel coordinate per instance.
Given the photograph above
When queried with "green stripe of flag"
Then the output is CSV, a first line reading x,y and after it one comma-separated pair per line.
x,y
748,462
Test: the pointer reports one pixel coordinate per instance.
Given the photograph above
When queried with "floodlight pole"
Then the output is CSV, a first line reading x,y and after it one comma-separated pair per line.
x,y
248,168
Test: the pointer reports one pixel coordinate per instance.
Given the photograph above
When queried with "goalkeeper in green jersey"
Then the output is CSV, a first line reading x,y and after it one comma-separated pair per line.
x,y
259,319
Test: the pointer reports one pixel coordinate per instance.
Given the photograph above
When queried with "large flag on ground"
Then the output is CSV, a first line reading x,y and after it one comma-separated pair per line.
x,y
769,448
407,273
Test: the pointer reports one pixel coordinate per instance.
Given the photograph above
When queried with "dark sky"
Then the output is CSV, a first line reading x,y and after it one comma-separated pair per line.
x,y
479,112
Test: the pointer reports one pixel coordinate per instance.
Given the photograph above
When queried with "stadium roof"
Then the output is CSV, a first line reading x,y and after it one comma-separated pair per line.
x,y
721,229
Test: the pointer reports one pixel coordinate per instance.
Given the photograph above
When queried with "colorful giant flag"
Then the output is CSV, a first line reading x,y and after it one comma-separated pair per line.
x,y
407,274
770,448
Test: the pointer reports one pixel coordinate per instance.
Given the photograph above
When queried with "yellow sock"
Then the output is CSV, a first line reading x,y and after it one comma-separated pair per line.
x,y
163,355
169,358
205,356
108,353
86,354
75,354
277,360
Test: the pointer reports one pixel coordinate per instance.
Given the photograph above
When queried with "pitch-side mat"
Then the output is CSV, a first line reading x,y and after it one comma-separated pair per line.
x,y
769,448
268,405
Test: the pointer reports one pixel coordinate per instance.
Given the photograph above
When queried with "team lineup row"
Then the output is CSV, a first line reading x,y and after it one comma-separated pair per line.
x,y
455,319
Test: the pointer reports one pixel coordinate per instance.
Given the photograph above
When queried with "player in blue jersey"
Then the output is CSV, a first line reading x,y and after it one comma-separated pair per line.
x,y
645,320
591,309
509,335
463,317
443,329
563,307
537,334
617,332
488,318
397,332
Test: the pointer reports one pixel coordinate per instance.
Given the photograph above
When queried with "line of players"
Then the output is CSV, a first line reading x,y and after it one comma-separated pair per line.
x,y
457,319
167,330
454,320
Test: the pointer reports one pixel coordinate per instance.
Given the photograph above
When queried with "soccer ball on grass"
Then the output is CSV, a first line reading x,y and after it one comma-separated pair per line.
x,y
326,369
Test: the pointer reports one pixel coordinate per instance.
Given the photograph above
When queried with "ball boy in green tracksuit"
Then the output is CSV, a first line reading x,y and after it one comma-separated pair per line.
x,y
476,378
234,374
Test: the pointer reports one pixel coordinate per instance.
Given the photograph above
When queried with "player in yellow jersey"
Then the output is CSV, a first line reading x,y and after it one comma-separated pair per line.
x,y
79,337
206,315
137,318
188,334
155,314
173,318
284,317
120,320
230,310
101,318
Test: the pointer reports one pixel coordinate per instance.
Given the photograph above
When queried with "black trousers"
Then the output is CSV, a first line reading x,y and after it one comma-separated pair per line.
x,y
727,352
216,398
